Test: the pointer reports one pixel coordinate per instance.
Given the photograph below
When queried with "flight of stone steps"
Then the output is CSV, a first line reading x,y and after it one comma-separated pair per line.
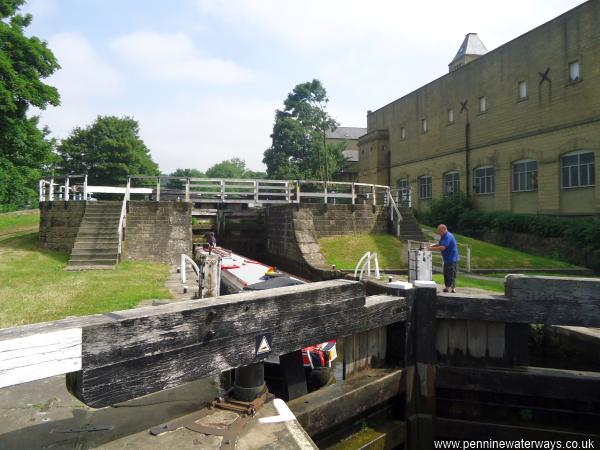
x,y
97,242
409,227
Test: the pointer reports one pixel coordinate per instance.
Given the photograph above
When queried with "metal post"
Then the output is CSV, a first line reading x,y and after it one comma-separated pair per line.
x,y
187,189
85,187
51,193
325,191
297,191
468,258
182,269
42,194
255,191
288,192
249,382
353,194
158,189
222,182
66,188
128,189
374,195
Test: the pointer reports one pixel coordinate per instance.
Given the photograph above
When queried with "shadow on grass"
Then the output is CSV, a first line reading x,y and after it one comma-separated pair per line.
x,y
29,242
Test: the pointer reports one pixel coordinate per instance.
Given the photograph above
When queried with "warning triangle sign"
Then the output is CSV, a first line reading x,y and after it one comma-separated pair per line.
x,y
263,347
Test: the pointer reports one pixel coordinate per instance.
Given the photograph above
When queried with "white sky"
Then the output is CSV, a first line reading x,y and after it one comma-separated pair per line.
x,y
204,77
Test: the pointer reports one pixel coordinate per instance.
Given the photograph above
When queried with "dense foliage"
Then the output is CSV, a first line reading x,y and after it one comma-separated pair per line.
x,y
107,151
581,234
299,149
25,151
233,168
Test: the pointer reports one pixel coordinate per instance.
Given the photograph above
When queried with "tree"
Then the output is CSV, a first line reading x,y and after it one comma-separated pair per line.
x,y
107,151
299,149
184,173
25,151
233,168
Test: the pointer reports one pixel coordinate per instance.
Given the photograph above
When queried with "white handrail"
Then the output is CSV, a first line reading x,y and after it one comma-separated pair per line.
x,y
394,208
122,222
182,270
365,261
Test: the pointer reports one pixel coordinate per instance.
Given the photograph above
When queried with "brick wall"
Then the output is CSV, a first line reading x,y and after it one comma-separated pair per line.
x,y
556,117
158,231
59,224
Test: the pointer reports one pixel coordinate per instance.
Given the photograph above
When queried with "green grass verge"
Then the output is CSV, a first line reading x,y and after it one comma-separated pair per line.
x,y
14,222
345,251
490,256
35,288
463,281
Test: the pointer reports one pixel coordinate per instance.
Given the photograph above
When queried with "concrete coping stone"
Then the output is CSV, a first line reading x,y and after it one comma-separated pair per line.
x,y
424,283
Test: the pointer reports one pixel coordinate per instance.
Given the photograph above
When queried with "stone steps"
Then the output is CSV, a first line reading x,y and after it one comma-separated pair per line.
x,y
97,242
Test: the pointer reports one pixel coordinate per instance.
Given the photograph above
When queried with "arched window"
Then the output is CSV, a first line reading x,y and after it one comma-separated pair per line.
x,y
483,180
451,183
524,175
425,186
577,169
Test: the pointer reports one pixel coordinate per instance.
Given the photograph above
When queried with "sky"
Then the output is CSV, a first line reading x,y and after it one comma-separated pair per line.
x,y
204,77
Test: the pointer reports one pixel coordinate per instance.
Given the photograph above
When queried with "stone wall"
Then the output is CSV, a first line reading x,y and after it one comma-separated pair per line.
x,y
158,231
293,231
59,224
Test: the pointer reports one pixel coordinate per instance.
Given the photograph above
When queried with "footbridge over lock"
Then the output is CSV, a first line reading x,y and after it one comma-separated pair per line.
x,y
403,350
159,218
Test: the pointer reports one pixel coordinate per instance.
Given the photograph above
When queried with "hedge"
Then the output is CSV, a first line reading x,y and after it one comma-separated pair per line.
x,y
459,213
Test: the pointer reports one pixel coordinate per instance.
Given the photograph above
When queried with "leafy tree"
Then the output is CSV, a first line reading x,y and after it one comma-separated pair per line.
x,y
107,151
299,149
185,173
25,151
232,168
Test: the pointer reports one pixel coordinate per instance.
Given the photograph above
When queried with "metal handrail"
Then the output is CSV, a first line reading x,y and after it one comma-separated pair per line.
x,y
122,222
182,269
367,258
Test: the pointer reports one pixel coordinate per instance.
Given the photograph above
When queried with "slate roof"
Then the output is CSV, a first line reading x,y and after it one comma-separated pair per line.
x,y
346,133
471,45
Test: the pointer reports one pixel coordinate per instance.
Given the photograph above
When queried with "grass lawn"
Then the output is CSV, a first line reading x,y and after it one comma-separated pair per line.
x,y
345,251
35,288
15,223
465,281
489,256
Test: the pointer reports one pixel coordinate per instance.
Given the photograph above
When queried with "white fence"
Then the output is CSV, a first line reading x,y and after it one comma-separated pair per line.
x,y
216,190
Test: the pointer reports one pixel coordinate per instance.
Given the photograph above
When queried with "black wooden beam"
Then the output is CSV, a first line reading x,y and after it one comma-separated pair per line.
x,y
530,381
471,431
165,363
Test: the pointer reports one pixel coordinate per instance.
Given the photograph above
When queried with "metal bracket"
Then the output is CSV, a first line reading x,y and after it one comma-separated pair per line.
x,y
231,433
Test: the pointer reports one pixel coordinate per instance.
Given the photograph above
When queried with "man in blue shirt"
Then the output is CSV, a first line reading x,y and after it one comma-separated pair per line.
x,y
447,245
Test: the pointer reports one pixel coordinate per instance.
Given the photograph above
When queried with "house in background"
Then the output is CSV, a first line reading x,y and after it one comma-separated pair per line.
x,y
350,136
517,127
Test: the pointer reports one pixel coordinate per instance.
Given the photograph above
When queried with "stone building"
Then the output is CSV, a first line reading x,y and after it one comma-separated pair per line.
x,y
349,136
517,127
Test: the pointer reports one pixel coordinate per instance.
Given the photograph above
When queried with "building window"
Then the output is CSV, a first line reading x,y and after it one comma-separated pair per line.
x,y
574,71
577,169
425,187
523,89
524,176
451,183
482,104
450,116
423,125
402,133
483,180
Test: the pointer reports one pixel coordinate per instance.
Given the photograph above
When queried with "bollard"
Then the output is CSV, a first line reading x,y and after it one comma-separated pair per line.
x,y
249,382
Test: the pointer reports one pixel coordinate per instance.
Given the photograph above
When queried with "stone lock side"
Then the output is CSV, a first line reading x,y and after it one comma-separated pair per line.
x,y
59,224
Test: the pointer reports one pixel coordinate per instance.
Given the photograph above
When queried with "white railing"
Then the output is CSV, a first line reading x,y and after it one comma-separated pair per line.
x,y
464,251
365,262
183,267
219,190
122,223
394,211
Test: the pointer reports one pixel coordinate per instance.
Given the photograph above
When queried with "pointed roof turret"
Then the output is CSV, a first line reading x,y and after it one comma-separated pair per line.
x,y
470,49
